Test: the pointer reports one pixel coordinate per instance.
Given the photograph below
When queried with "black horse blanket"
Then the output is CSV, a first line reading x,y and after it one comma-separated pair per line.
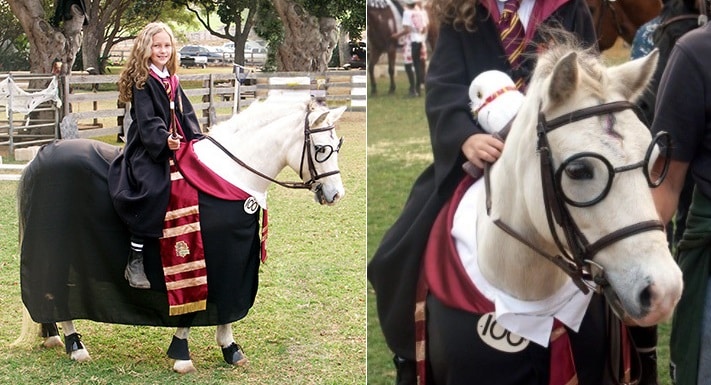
x,y
74,247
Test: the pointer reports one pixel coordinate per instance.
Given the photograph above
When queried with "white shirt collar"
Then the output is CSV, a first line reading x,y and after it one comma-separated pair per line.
x,y
532,320
161,73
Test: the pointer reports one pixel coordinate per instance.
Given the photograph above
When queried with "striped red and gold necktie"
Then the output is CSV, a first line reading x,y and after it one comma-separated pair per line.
x,y
512,35
168,88
169,91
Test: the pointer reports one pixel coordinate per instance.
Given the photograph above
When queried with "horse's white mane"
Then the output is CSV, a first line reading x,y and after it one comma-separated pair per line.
x,y
262,113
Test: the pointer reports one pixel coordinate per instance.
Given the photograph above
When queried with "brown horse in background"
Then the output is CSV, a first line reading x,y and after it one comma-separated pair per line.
x,y
620,18
611,18
384,20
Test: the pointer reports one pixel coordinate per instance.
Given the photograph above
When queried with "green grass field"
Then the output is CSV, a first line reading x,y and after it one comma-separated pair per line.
x,y
307,326
398,151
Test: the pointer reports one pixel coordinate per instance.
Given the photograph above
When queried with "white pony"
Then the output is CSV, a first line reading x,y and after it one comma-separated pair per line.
x,y
248,151
566,208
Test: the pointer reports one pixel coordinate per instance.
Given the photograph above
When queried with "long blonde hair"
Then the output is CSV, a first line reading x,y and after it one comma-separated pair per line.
x,y
137,66
458,13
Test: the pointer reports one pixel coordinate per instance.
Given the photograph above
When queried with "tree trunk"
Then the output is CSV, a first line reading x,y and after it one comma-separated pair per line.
x,y
101,14
90,51
48,43
344,50
308,40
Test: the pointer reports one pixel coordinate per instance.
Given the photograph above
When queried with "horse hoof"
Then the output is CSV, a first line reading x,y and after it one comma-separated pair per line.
x,y
81,355
234,355
52,342
184,366
75,349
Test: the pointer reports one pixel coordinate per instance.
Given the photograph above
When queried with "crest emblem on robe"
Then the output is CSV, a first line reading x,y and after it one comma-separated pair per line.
x,y
181,249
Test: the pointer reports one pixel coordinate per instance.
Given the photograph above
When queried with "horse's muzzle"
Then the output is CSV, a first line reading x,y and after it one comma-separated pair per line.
x,y
323,197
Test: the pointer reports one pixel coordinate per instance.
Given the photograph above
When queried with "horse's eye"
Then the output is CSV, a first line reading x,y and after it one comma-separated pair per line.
x,y
579,169
320,149
479,95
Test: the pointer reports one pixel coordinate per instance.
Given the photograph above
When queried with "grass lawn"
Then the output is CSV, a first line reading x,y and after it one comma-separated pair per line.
x,y
398,151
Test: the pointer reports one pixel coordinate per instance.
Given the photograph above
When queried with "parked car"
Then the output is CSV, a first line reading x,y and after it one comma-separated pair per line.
x,y
357,59
254,53
193,56
219,55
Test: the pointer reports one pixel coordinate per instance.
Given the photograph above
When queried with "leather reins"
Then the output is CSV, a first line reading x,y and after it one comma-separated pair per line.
x,y
305,153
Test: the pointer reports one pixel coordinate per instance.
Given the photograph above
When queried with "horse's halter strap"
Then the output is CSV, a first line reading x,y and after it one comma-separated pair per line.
x,y
305,153
575,259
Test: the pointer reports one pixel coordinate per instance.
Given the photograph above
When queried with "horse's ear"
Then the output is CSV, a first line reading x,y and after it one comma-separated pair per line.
x,y
564,79
336,113
315,121
632,78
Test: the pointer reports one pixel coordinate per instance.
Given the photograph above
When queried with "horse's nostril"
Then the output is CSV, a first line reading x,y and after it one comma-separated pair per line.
x,y
645,297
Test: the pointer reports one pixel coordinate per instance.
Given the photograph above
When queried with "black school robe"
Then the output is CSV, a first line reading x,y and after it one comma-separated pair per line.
x,y
139,178
458,57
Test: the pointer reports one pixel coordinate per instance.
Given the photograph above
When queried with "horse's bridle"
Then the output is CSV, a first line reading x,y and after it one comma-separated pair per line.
x,y
314,176
575,259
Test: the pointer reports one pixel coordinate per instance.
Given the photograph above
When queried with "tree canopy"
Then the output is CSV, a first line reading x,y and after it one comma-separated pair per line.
x,y
305,32
302,34
236,16
14,46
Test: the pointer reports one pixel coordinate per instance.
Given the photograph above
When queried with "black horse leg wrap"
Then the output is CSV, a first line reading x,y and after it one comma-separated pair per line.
x,y
178,349
49,330
233,354
73,343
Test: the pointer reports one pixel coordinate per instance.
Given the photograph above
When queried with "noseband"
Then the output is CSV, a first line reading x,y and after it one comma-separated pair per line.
x,y
314,176
575,256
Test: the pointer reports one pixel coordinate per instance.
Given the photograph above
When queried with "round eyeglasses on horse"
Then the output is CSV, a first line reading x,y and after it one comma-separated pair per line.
x,y
73,244
533,273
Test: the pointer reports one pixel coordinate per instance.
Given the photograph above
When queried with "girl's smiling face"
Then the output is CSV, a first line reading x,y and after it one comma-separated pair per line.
x,y
161,49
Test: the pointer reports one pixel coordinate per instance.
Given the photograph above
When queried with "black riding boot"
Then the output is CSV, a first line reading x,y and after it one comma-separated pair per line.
x,y
134,273
411,78
406,371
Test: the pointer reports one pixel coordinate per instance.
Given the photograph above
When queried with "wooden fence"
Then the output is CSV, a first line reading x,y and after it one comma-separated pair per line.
x,y
91,101
22,120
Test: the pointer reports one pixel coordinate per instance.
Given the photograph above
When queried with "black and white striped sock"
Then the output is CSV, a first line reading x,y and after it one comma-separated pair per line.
x,y
137,244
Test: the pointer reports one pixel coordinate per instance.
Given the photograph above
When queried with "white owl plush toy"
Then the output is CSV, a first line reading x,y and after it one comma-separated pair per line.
x,y
495,101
